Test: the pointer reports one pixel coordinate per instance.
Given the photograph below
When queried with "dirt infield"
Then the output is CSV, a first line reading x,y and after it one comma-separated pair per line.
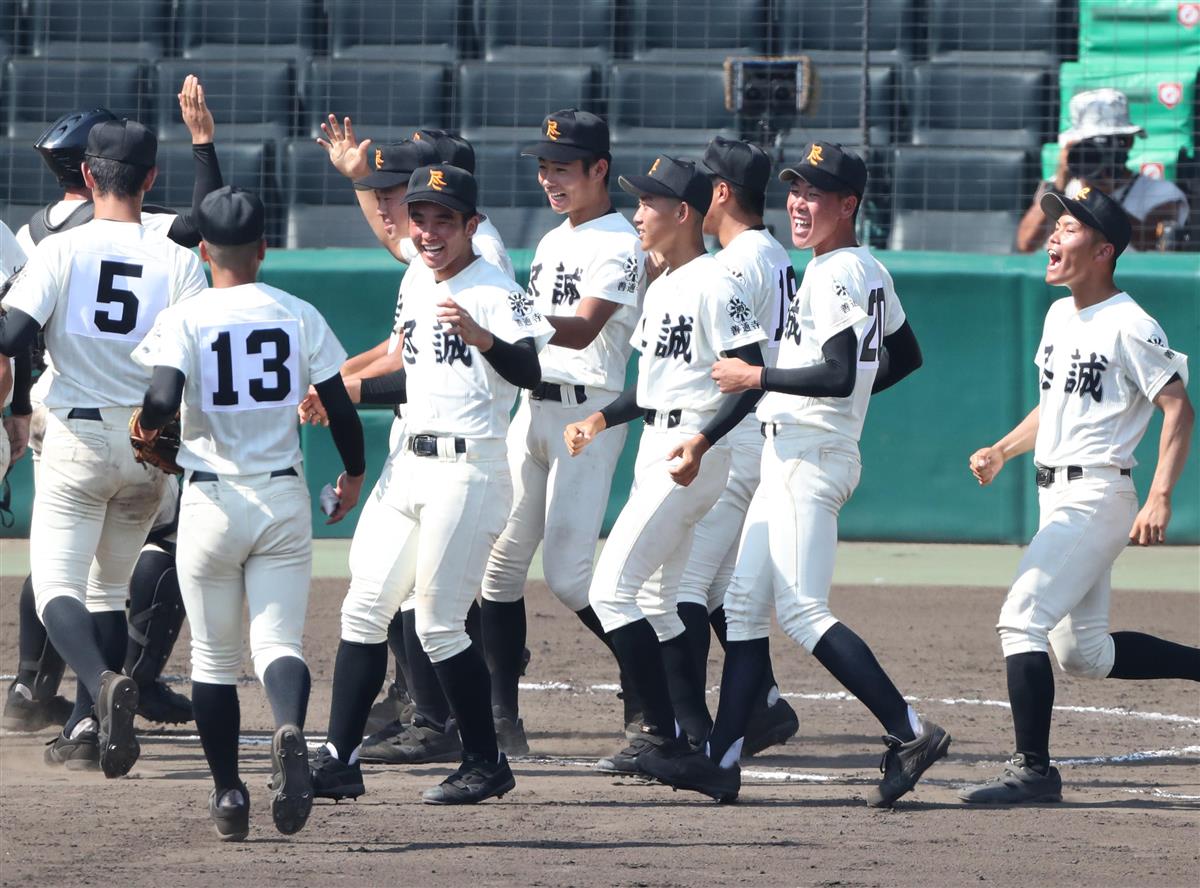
x,y
1129,753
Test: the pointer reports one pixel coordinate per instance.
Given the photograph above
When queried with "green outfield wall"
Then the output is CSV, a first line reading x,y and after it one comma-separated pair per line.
x,y
978,319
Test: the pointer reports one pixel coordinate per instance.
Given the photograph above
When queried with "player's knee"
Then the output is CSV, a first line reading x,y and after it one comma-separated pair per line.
x,y
269,654
666,626
807,621
441,643
500,590
689,594
567,578
1085,657
362,624
216,665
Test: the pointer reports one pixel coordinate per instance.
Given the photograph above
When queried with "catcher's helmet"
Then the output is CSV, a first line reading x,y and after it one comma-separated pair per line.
x,y
63,144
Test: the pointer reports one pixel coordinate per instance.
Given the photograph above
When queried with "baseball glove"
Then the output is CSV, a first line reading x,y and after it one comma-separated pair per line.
x,y
155,447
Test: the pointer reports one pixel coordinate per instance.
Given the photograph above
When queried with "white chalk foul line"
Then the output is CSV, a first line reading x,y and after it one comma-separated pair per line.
x,y
1146,755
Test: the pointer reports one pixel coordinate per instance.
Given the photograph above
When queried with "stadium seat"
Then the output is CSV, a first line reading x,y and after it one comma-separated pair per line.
x,y
248,29
1023,32
658,104
100,29
830,31
505,178
503,101
248,99
10,34
522,227
39,91
963,199
404,32
25,182
833,110
322,210
635,160
699,30
386,100
995,106
571,31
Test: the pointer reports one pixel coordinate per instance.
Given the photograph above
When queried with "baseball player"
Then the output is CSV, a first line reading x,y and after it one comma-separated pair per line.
x,y
693,313
1104,366
845,336
155,610
469,340
94,291
586,280
239,357
12,444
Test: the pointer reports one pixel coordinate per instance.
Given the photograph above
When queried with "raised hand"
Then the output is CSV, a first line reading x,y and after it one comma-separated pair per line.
x,y
195,113
348,156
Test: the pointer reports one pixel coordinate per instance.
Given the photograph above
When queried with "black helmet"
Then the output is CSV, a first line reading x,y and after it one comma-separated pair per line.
x,y
63,144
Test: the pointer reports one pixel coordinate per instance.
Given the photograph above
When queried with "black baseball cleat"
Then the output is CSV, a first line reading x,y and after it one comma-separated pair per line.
x,y
292,780
510,733
333,779
418,743
158,703
80,752
904,763
116,706
1019,784
24,714
476,780
626,761
230,813
682,767
770,726
396,706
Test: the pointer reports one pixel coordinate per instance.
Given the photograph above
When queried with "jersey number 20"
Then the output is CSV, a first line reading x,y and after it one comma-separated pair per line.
x,y
873,338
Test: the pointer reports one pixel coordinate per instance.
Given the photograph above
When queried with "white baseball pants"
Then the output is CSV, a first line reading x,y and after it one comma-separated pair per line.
x,y
556,497
245,542
654,530
786,552
1059,599
428,527
93,501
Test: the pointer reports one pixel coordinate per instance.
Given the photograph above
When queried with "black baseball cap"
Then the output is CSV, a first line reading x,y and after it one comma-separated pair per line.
x,y
393,163
571,134
444,184
451,147
1095,209
830,167
231,217
126,141
670,177
741,163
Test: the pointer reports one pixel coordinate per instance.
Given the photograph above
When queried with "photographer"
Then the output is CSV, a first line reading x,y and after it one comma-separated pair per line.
x,y
1094,153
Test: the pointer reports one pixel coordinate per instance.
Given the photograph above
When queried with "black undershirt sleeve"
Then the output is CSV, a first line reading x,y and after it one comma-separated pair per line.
x,y
622,410
735,408
516,361
344,424
17,332
832,378
163,397
207,179
900,356
390,389
22,383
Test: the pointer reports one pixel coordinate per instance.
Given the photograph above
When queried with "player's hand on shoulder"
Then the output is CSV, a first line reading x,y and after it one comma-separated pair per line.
x,y
461,324
684,460
346,153
735,375
348,490
17,430
311,410
579,435
985,463
194,110
1150,525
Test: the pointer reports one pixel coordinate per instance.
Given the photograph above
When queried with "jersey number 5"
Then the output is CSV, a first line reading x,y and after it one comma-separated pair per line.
x,y
108,293
873,338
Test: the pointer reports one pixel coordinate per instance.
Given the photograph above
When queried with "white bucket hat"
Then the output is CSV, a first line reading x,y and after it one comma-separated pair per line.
x,y
1099,112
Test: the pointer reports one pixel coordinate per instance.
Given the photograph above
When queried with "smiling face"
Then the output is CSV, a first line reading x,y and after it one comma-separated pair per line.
x,y
569,187
392,210
441,236
815,214
656,221
1075,251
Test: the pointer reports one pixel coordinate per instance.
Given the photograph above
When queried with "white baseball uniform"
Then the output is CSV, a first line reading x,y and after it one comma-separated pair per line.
x,y
1100,370
764,269
12,257
248,353
58,212
810,461
96,290
691,316
445,491
556,497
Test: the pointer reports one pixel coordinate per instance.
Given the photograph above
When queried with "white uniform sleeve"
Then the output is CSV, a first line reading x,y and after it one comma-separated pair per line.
x,y
728,320
1149,361
513,318
160,222
36,292
893,315
325,352
833,307
492,250
615,277
12,256
166,345
637,338
191,278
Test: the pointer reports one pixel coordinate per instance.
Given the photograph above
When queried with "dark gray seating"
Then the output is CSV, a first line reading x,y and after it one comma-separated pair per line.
x,y
501,101
385,100
39,91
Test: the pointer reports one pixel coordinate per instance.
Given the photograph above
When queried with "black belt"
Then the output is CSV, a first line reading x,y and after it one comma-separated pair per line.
x,y
673,417
1045,474
552,391
427,445
89,413
209,476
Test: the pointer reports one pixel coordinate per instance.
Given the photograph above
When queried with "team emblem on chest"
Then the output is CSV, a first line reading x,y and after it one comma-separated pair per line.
x,y
1085,376
675,337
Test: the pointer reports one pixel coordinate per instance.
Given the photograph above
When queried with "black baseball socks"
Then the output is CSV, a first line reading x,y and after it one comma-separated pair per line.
x,y
358,673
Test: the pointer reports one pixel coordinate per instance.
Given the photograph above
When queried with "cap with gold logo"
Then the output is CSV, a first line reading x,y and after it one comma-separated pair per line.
x,y
1095,209
671,177
393,162
830,167
451,147
571,134
443,184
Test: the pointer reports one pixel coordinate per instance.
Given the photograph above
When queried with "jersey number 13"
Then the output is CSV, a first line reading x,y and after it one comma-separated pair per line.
x,y
250,366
